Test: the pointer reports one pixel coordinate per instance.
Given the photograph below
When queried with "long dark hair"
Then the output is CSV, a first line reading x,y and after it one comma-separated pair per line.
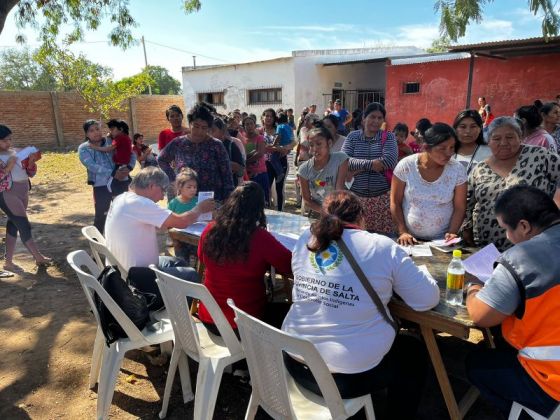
x,y
338,209
237,219
475,116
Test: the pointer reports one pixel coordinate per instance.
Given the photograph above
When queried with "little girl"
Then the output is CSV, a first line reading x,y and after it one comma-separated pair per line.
x,y
186,185
14,196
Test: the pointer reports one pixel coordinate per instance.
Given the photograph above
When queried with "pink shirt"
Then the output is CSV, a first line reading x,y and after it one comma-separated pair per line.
x,y
258,167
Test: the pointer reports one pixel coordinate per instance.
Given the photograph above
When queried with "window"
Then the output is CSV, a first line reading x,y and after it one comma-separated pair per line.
x,y
213,98
265,96
411,87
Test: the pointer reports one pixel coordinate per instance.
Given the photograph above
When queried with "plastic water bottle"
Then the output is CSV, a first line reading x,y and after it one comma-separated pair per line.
x,y
455,279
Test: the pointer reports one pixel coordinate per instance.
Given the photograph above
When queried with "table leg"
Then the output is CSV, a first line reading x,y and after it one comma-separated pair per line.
x,y
441,374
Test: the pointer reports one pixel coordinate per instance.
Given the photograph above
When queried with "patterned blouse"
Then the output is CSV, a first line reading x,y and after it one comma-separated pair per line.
x,y
535,166
209,159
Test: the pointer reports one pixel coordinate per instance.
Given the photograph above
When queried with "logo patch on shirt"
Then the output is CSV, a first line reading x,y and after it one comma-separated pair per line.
x,y
326,260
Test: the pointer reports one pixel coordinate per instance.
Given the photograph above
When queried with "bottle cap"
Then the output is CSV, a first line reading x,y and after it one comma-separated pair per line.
x,y
457,253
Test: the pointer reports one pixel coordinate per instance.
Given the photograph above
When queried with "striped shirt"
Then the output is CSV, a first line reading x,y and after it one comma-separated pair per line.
x,y
362,151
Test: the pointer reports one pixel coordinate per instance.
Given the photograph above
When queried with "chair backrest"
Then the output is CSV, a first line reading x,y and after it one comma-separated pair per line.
x,y
174,292
100,251
79,260
264,348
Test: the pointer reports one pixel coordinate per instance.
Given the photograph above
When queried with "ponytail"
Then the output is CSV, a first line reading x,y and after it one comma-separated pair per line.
x,y
325,230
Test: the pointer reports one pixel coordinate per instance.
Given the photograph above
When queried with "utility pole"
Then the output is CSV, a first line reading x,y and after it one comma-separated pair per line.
x,y
146,62
194,61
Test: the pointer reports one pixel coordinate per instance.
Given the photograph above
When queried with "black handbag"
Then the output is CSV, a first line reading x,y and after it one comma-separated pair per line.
x,y
144,279
367,285
133,303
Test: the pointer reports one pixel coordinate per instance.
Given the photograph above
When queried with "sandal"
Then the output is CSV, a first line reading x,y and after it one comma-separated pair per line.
x,y
4,274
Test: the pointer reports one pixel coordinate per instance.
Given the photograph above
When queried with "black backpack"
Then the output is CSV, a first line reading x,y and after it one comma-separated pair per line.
x,y
130,300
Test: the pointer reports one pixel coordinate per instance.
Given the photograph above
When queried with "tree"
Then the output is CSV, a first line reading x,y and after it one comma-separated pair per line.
x,y
92,81
52,14
456,15
440,44
20,71
162,82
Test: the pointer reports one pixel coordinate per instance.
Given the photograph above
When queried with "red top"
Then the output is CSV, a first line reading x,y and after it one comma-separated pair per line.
x,y
243,281
166,136
123,149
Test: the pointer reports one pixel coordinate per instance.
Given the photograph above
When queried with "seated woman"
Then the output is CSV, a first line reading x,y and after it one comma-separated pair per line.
x,y
237,250
511,163
522,297
324,172
429,190
470,147
358,345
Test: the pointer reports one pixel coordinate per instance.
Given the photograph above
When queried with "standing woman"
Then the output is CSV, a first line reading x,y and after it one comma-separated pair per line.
x,y
330,122
372,152
533,133
99,167
324,172
220,132
550,113
175,117
14,197
202,153
469,147
256,166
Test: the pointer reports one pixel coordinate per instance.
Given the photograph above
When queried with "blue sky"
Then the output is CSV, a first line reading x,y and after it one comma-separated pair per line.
x,y
243,30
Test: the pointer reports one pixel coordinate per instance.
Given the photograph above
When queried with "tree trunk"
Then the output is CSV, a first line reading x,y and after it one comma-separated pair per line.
x,y
5,7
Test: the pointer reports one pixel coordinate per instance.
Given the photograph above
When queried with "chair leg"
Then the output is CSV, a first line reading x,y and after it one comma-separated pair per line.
x,y
96,358
207,386
370,413
515,411
112,360
169,381
185,374
252,408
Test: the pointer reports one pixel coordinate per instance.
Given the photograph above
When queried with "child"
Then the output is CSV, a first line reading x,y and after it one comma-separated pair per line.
x,y
405,148
186,185
121,145
284,137
143,153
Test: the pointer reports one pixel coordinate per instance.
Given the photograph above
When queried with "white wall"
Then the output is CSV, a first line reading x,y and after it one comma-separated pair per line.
x,y
236,80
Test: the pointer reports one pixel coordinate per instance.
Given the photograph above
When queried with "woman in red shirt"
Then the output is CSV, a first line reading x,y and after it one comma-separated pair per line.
x,y
175,117
237,251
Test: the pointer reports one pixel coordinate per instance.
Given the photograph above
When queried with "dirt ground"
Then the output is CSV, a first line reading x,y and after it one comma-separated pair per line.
x,y
48,332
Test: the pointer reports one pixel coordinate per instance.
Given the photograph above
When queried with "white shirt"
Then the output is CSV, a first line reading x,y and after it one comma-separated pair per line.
x,y
427,206
470,161
130,229
18,173
332,309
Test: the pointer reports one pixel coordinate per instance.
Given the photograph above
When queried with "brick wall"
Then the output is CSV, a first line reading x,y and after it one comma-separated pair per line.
x,y
32,117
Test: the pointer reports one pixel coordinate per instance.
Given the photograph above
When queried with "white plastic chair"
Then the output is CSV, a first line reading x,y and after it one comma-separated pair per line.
x,y
516,409
100,251
273,387
213,353
107,368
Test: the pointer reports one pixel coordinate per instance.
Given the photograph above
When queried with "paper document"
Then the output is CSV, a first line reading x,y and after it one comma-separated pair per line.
x,y
25,152
420,250
205,195
443,242
481,263
195,229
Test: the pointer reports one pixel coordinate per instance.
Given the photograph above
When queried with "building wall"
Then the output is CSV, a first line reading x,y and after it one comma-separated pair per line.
x,y
236,80
31,117
506,84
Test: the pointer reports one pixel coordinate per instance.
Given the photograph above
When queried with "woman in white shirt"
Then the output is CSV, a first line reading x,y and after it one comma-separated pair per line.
x,y
334,311
14,197
429,190
469,147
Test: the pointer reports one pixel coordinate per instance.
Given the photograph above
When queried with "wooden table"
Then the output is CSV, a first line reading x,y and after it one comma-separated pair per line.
x,y
453,320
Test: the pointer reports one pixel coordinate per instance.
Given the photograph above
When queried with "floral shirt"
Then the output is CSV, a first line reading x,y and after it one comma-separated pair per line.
x,y
209,159
535,166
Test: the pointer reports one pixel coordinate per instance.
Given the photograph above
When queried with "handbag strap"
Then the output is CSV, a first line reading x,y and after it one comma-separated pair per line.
x,y
367,285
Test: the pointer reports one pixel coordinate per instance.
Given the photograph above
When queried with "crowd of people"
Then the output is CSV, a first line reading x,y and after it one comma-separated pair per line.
x,y
485,178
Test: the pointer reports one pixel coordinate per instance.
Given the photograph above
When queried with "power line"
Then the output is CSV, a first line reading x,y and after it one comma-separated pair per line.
x,y
187,52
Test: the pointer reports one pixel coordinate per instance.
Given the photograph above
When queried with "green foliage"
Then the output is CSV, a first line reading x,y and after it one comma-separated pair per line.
x,y
50,16
161,82
92,81
456,15
19,71
439,45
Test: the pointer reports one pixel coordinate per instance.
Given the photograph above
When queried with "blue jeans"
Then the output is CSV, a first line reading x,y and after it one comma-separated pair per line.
x,y
502,380
179,268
